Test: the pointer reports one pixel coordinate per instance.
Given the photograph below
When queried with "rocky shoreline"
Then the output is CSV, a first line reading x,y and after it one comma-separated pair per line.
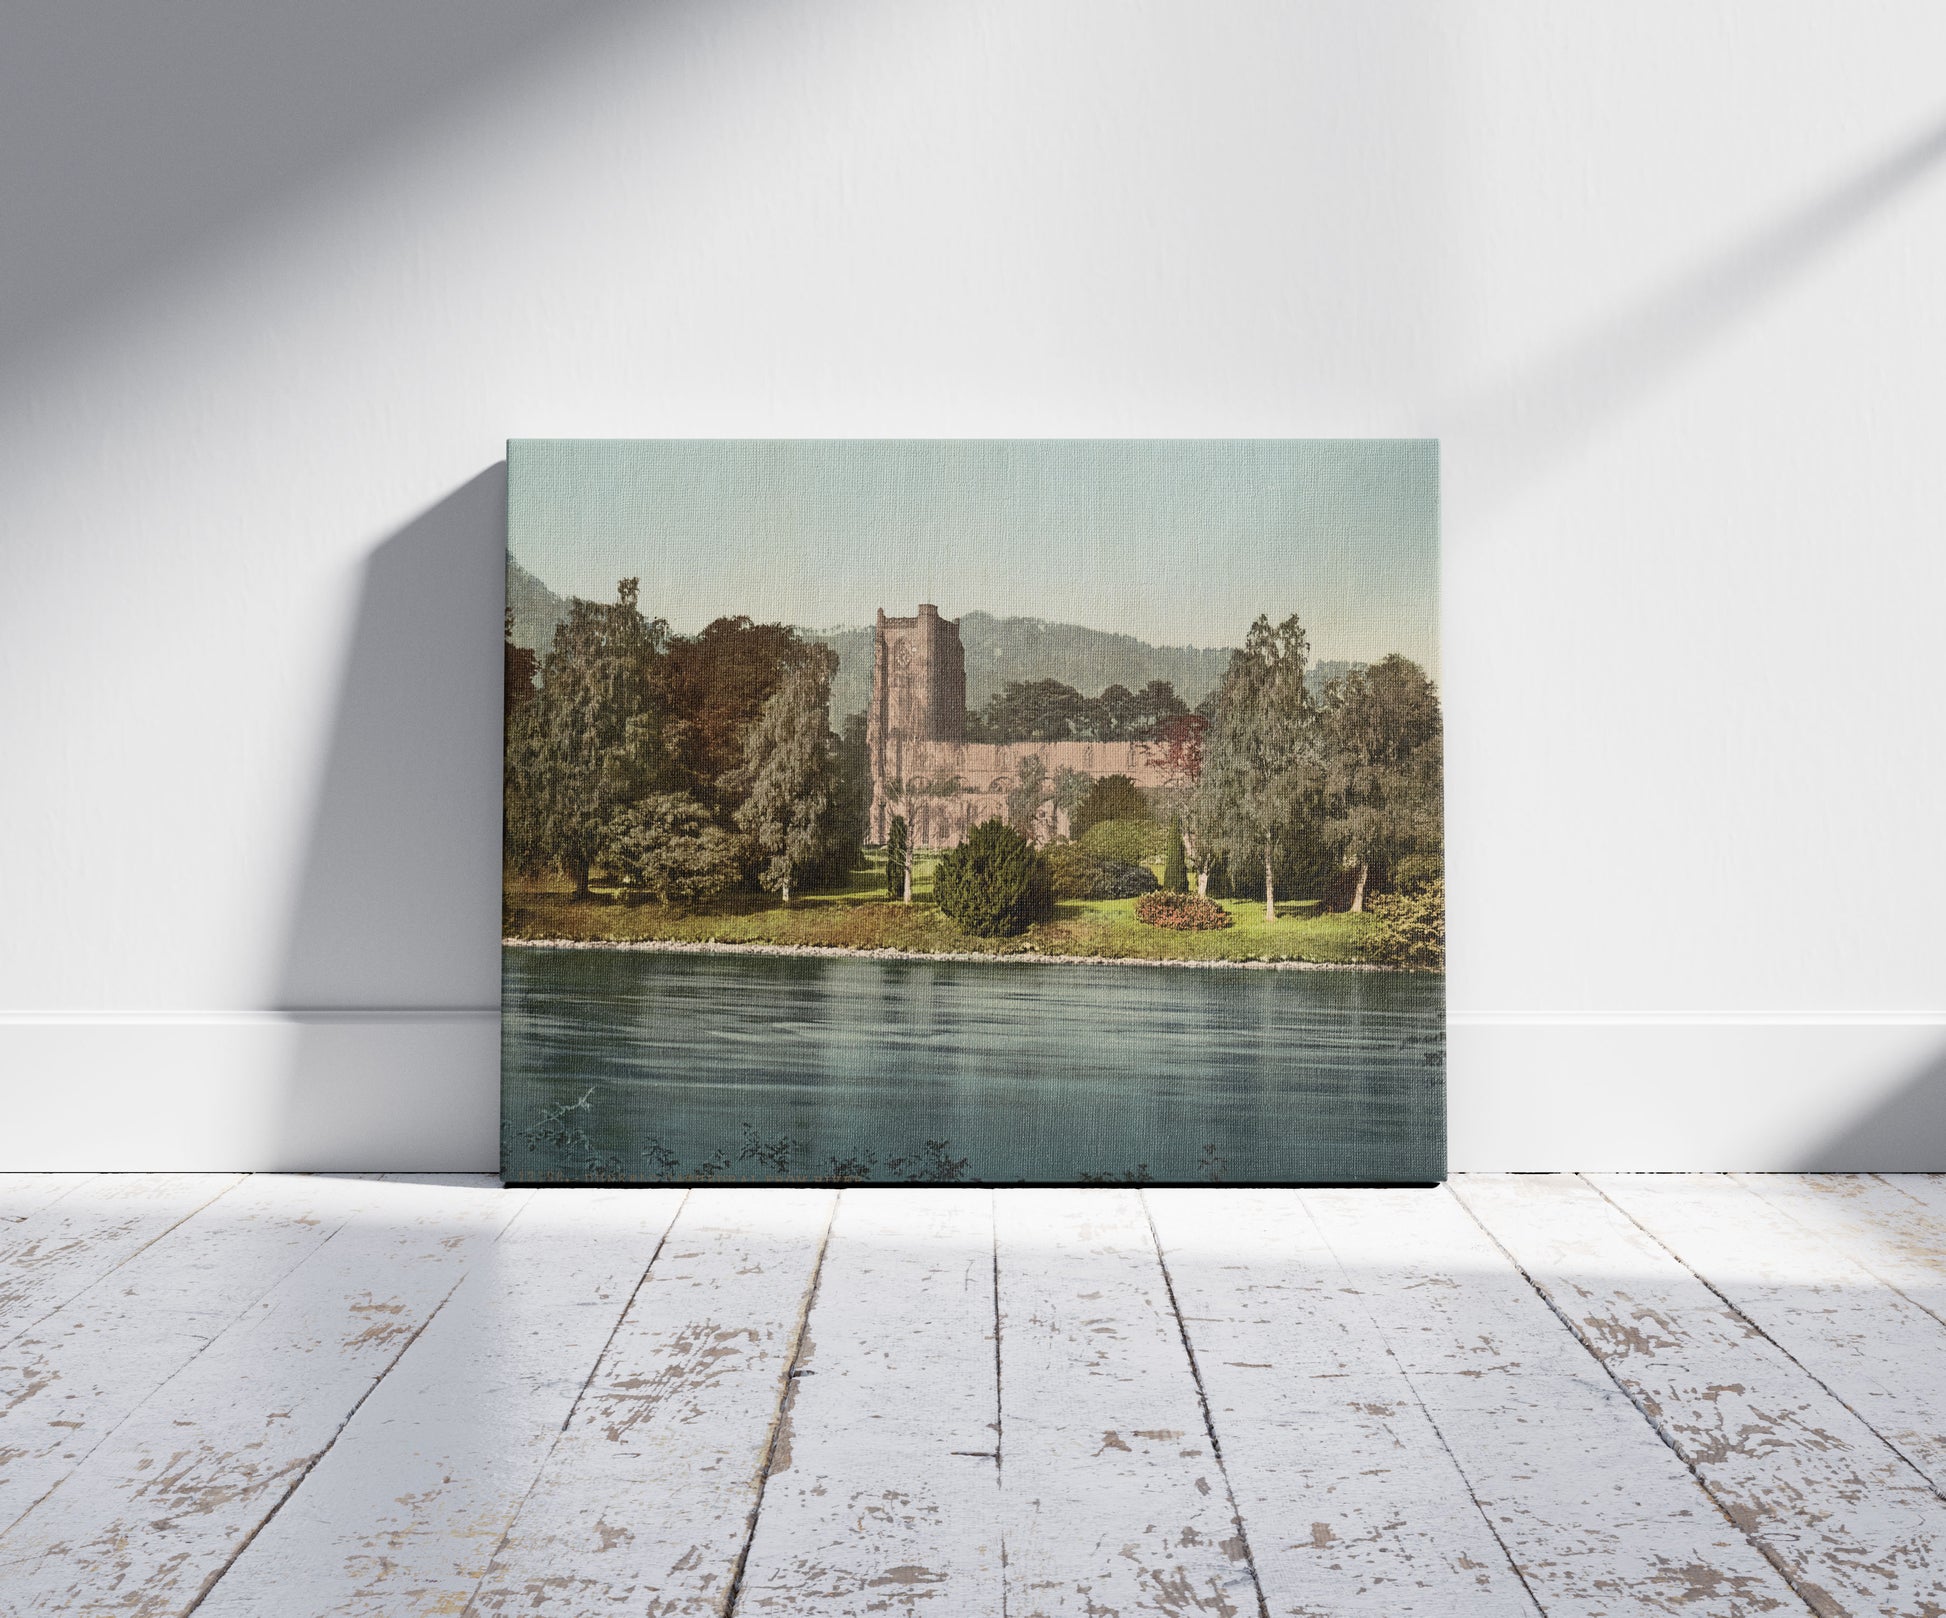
x,y
681,946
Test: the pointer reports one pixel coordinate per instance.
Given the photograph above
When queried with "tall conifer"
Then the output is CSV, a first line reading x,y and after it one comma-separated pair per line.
x,y
1175,871
896,856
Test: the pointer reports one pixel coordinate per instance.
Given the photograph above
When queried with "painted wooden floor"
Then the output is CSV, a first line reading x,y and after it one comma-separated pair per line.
x,y
1564,1395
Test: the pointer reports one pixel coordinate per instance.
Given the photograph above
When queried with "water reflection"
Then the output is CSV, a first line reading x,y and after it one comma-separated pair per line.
x,y
657,1067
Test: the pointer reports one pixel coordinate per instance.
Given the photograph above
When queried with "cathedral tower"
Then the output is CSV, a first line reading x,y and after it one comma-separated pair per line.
x,y
918,700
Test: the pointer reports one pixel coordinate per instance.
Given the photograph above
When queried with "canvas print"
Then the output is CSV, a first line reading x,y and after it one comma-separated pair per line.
x,y
973,812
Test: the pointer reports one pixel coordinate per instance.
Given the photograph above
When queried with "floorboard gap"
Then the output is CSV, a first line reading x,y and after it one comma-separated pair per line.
x,y
786,1395
1756,1330
1202,1400
216,1574
1815,1607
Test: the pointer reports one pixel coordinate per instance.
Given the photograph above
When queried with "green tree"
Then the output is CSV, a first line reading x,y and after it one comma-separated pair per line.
x,y
1178,747
1263,782
1111,716
521,664
1153,707
852,798
1025,797
1383,741
785,781
711,687
667,845
994,884
1070,787
589,740
1113,797
1032,711
898,862
1175,868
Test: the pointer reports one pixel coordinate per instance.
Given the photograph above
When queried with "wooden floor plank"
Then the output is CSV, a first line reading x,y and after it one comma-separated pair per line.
x,y
403,1514
1929,1189
1350,1500
152,1516
1599,1516
1853,1525
1878,1352
23,1194
333,1396
1113,1500
1894,1224
884,1492
60,1249
645,1503
72,1378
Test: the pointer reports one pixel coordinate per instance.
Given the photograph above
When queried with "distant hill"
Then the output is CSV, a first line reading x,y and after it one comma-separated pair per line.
x,y
1003,649
997,650
537,609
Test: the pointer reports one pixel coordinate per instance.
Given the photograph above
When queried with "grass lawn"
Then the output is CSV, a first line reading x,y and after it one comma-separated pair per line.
x,y
859,917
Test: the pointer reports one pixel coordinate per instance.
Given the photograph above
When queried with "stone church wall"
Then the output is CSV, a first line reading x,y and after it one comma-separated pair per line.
x,y
922,765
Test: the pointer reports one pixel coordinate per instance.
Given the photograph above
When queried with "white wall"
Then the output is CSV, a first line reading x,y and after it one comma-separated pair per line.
x,y
279,281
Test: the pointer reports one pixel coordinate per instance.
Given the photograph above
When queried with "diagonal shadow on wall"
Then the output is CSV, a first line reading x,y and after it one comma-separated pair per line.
x,y
1519,429
1904,1134
137,140
391,960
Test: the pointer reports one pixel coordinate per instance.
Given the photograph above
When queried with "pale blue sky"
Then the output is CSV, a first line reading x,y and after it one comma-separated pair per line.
x,y
1175,541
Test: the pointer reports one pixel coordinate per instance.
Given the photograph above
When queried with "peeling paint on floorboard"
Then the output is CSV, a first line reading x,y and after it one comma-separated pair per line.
x,y
1852,1524
1711,1395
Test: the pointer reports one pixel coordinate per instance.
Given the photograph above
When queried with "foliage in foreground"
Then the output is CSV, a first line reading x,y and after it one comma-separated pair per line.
x,y
995,884
1079,874
1182,912
1410,929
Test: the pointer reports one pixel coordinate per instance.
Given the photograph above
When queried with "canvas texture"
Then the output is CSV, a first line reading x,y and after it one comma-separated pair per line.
x,y
973,812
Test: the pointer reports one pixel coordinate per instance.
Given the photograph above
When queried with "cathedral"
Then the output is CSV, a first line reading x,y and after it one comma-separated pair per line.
x,y
924,768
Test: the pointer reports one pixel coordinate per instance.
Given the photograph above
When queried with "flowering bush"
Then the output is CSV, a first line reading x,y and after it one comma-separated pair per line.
x,y
1185,912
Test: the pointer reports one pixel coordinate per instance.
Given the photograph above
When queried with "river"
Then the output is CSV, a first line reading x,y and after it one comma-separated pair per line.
x,y
661,1067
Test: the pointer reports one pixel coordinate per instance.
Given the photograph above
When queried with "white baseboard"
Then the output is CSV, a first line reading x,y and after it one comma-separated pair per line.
x,y
1809,1092
251,1090
420,1090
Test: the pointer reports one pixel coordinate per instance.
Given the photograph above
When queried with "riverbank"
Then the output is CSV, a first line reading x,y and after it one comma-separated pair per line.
x,y
1022,957
866,925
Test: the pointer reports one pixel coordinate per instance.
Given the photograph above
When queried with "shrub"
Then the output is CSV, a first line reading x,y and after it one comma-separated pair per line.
x,y
896,854
667,845
1410,929
1130,841
1079,874
1182,912
1113,797
994,884
1416,871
